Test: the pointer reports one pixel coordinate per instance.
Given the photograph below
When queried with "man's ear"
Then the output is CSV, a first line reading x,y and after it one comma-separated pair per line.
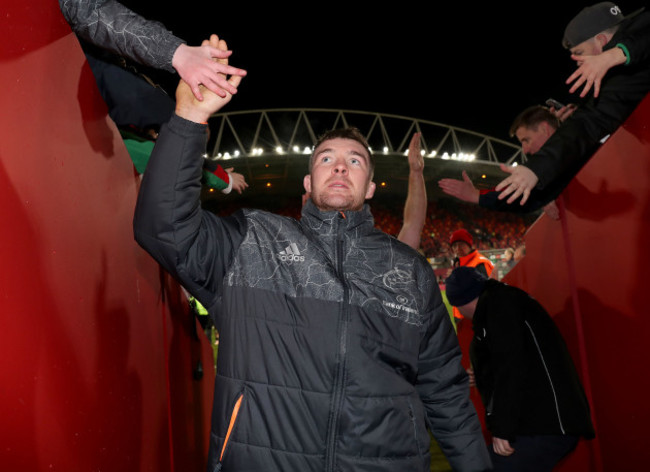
x,y
306,182
602,39
371,190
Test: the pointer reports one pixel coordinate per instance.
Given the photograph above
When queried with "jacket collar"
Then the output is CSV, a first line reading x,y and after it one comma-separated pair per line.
x,y
464,260
331,222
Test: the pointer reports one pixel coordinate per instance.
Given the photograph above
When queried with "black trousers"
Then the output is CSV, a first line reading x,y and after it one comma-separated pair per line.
x,y
534,453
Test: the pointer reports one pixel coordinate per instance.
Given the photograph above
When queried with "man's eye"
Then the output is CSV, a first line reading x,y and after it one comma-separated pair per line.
x,y
354,161
326,159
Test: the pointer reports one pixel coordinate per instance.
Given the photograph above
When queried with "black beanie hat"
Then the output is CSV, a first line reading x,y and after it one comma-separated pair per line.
x,y
464,285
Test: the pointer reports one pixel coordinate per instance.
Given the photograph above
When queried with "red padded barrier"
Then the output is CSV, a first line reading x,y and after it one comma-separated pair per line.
x,y
86,329
590,271
97,363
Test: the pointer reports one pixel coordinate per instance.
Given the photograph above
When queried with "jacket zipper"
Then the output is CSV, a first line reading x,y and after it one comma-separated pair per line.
x,y
415,426
339,381
548,376
233,421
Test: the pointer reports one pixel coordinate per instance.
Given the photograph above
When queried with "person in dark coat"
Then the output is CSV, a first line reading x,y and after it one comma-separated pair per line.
x,y
536,408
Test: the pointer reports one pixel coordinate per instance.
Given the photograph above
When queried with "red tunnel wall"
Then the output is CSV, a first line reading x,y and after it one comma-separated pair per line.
x,y
98,347
590,270
96,368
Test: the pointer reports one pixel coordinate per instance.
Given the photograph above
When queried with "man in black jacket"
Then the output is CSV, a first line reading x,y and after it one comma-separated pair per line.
x,y
532,127
606,45
336,352
536,409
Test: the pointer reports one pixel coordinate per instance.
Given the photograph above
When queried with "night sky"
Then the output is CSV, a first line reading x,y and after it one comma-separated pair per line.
x,y
474,67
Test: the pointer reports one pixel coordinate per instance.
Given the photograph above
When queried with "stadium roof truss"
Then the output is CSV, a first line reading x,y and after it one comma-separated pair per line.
x,y
283,139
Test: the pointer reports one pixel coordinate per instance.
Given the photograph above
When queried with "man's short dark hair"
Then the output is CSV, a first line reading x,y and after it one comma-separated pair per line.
x,y
531,117
345,133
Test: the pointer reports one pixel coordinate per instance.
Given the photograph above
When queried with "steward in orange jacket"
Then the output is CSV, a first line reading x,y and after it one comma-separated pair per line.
x,y
462,245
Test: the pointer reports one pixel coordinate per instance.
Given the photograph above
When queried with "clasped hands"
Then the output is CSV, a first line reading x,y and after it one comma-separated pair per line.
x,y
195,109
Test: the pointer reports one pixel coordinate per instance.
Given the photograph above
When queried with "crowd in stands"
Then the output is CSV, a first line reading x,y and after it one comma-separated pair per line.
x,y
491,230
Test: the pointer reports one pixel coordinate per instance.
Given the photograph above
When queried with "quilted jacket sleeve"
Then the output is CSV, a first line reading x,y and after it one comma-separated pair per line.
x,y
444,389
110,25
194,245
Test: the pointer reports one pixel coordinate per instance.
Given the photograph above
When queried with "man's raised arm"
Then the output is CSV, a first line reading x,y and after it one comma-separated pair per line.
x,y
168,221
112,26
415,208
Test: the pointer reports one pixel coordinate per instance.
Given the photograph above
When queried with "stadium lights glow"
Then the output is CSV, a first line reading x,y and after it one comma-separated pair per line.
x,y
308,150
459,157
464,157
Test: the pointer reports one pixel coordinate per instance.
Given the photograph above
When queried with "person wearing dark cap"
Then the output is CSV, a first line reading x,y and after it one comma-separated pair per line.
x,y
536,408
599,37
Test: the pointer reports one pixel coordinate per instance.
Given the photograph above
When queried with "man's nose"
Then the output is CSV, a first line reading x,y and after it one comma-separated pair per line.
x,y
340,168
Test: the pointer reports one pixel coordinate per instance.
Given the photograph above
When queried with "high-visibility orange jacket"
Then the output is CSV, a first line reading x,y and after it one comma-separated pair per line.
x,y
482,264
